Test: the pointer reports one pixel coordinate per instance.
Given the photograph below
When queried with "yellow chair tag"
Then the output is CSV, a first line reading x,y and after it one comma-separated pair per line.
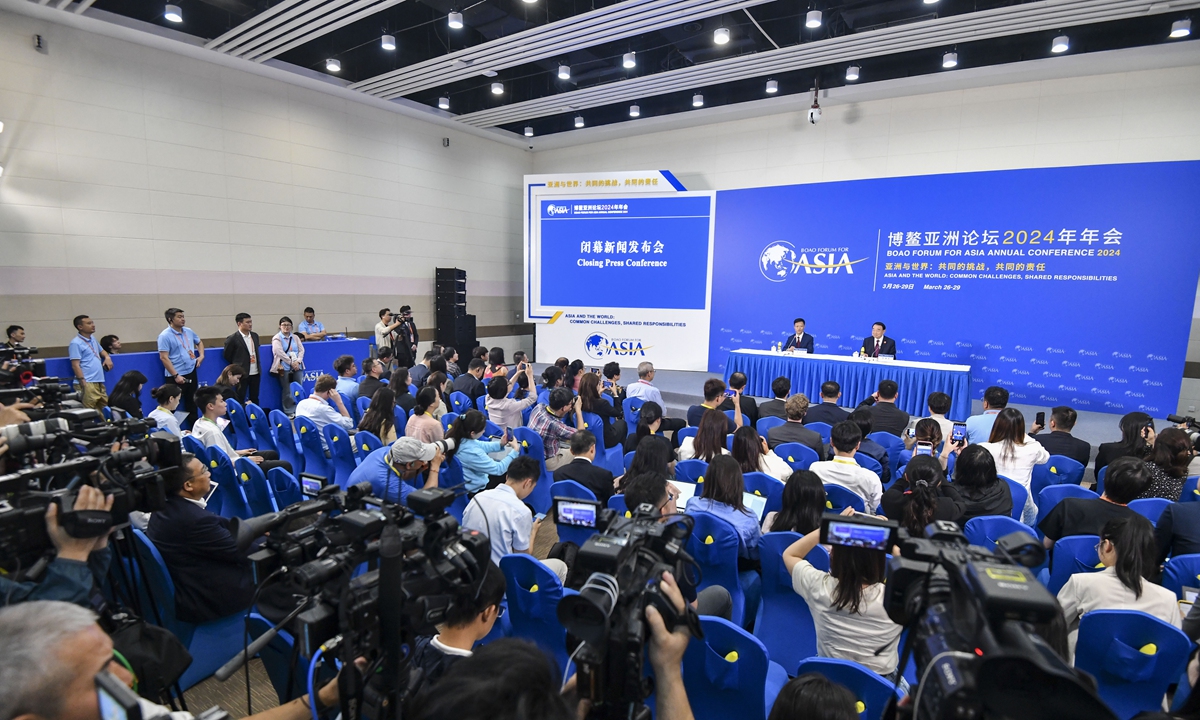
x,y
708,540
1053,469
245,477
212,463
860,707
524,443
628,514
732,656
533,589
758,493
303,429
829,504
700,479
335,438
1149,649
791,459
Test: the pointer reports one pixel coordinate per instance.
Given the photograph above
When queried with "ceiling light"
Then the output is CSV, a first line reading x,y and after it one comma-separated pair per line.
x,y
443,103
578,121
950,60
497,88
1,126
697,100
333,65
635,111
721,36
564,72
388,42
1181,28
528,131
813,19
629,60
931,2
852,73
455,20
1060,44
173,13
489,73
772,87
1,170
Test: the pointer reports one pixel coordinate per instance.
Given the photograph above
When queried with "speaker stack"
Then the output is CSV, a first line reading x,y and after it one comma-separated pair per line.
x,y
455,328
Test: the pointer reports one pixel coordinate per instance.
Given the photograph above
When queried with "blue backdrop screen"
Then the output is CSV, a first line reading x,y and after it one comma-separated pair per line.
x,y
1064,285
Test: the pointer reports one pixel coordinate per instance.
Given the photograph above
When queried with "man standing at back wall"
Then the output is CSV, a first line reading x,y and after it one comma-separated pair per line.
x,y
241,348
88,363
182,353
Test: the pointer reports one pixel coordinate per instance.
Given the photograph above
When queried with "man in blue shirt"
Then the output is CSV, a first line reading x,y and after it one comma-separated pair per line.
x,y
979,427
346,382
88,363
182,353
389,468
309,329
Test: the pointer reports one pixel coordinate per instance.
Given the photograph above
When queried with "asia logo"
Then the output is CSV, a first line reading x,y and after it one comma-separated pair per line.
x,y
1068,363
1019,371
553,209
1126,356
1152,356
1104,366
1056,351
598,346
1152,383
780,259
1038,361
1138,368
1119,381
1023,348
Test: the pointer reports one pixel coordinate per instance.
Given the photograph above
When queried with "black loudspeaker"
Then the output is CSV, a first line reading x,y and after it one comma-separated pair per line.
x,y
455,328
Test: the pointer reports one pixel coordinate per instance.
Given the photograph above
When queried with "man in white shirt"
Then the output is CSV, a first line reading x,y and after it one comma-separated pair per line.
x,y
843,470
316,407
211,405
502,515
939,405
385,330
643,389
979,427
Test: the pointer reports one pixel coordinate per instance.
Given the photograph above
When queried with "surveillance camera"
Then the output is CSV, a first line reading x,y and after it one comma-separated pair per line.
x,y
814,114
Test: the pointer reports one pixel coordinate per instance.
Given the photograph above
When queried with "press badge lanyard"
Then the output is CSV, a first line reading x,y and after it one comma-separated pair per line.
x,y
91,345
179,336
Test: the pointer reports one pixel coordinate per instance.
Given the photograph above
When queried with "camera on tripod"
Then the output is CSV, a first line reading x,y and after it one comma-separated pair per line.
x,y
23,367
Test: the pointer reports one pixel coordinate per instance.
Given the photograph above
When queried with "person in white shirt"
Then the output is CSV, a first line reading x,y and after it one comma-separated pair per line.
x,y
1016,453
467,621
167,396
939,405
1129,555
751,452
317,408
845,471
502,515
385,330
211,405
643,389
241,349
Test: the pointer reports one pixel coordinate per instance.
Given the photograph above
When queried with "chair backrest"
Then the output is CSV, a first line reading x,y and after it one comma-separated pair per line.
x,y
595,425
784,623
892,443
284,486
351,407
448,420
798,456
367,443
341,452
192,444
691,470
230,498
838,498
687,432
868,686
315,462
297,392
1059,470
984,531
824,429
401,420
1181,571
1150,508
481,404
869,463
162,588
412,389
106,411
531,445
1019,496
1052,495
1133,656
285,440
617,502
260,423
1072,554
243,435
543,397
632,407
533,596
763,485
714,544
628,460
725,673
729,414
1191,491
1100,480
492,431
255,486
460,402
572,489
361,404
764,424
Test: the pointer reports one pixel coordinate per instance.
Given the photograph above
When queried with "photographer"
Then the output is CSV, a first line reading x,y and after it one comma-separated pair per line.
x,y
549,422
389,468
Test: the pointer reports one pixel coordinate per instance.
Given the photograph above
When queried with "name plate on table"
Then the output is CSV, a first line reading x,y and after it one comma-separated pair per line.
x,y
798,351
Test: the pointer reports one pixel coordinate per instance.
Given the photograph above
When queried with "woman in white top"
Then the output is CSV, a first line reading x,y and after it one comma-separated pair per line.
x,y
751,452
1015,454
709,440
503,410
167,396
847,603
1129,554
287,362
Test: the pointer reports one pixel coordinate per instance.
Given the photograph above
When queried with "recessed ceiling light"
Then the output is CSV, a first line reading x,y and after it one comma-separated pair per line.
x,y
443,103
333,65
528,131
721,36
578,121
635,111
950,60
564,72
931,2
388,42
697,100
1060,44
772,87
629,60
173,13
1,170
1181,28
852,73
455,20
813,19
1,126
497,88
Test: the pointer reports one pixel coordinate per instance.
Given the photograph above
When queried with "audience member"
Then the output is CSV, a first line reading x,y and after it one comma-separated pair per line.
x,y
385,356
470,383
748,405
979,427
1060,441
709,440
650,423
1178,530
495,363
714,390
111,344
611,384
547,421
16,337
927,434
651,456
814,697
241,348
723,490
615,429
380,417
480,352
211,404
88,363
181,352
450,355
309,329
781,387
519,357
845,471
230,380
980,487
644,389
1127,478
468,620
440,382
1137,437
347,372
651,488
127,394
827,411
287,364
502,515
847,602
505,411
372,370
317,407
885,416
385,329
1168,464
803,505
571,375
420,371
869,447
752,454
1127,551
1015,454
476,454
939,404
167,396
423,425
583,470
551,378
393,470
407,339
921,496
793,429
399,383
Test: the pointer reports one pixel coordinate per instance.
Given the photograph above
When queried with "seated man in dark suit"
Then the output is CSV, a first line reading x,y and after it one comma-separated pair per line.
x,y
793,430
1177,530
878,344
1126,478
827,411
799,340
1060,441
862,418
714,390
885,416
781,387
582,470
470,383
738,381
373,369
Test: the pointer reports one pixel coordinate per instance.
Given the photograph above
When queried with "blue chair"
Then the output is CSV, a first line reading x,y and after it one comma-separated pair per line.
x,y
448,420
727,674
526,413
297,392
800,457
1100,480
260,423
243,436
211,644
714,544
361,405
871,690
284,487
543,397
691,470
460,402
825,430
892,443
230,496
277,660
572,489
1133,656
451,477
687,432
632,407
1059,470
1052,495
628,460
617,502
481,404
285,441
533,596
1150,508
984,531
729,414
341,451
401,420
531,445
412,389
763,485
315,462
869,463
367,443
192,444
784,623
1019,497
350,407
729,442
1181,571
255,487
764,424
606,457
492,431
1191,493
1071,554
106,411
838,498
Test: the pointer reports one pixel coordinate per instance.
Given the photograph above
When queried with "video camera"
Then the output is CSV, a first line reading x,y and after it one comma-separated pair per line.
x,y
1192,428
22,379
973,618
623,563
24,369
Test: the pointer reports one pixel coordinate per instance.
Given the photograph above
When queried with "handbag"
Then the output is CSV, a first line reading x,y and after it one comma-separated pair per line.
x,y
153,653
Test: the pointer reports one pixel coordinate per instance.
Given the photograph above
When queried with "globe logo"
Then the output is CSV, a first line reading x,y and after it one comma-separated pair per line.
x,y
596,345
777,261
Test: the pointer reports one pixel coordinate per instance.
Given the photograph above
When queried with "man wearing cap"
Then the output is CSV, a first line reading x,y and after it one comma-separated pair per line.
x,y
387,467
406,344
